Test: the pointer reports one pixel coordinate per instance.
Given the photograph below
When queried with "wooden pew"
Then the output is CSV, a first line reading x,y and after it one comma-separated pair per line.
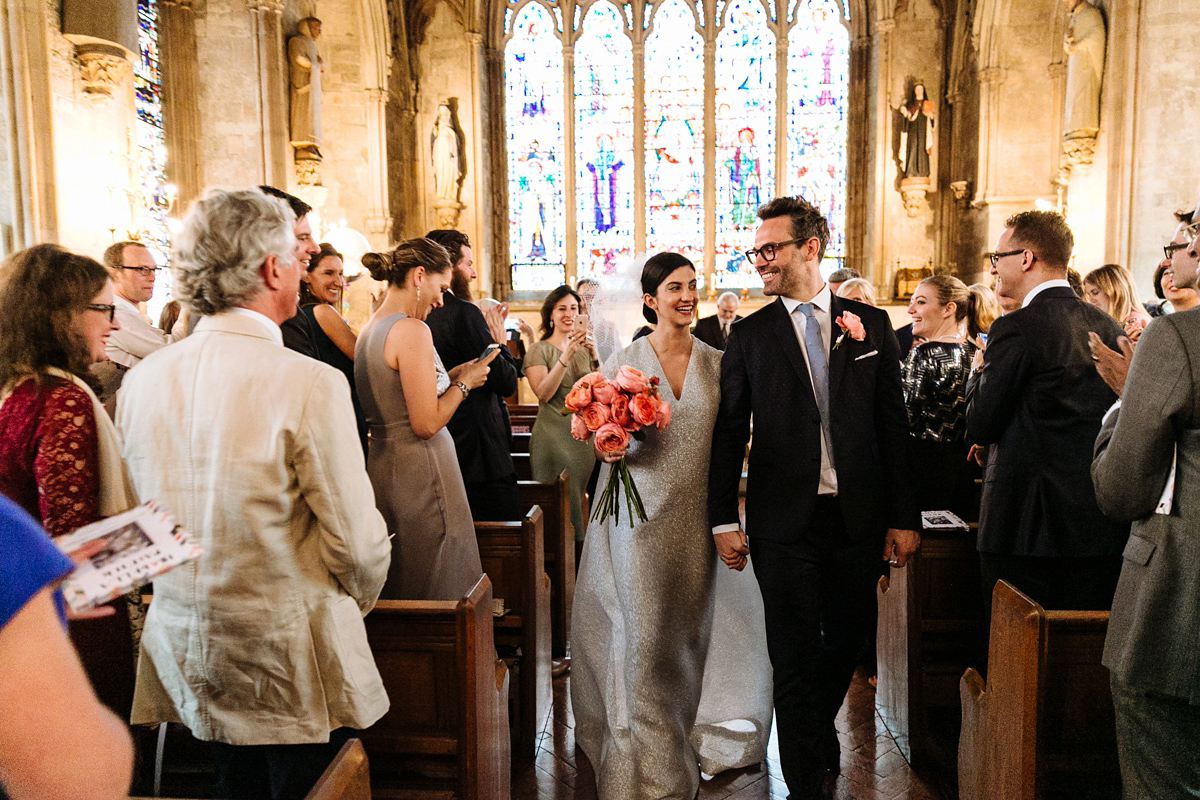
x,y
446,733
1043,723
522,416
347,778
931,628
522,466
520,442
513,557
555,501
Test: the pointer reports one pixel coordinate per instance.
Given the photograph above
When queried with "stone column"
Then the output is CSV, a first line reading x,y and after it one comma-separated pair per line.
x,y
571,240
379,222
990,81
876,270
497,153
24,66
479,176
639,138
858,164
273,90
181,112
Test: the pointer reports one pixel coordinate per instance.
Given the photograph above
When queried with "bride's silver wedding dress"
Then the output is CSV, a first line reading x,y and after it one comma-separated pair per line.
x,y
669,667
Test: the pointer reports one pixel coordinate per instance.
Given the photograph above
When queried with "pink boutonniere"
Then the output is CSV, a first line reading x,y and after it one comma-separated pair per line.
x,y
851,326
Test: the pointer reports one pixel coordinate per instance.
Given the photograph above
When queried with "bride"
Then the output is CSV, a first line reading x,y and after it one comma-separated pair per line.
x,y
670,673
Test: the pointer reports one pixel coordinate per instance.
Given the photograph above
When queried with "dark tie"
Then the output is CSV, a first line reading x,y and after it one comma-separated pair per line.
x,y
818,367
724,335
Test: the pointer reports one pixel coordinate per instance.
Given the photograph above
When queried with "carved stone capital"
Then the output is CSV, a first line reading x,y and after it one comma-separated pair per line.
x,y
913,191
275,6
962,192
885,25
376,94
101,67
861,42
447,212
476,39
1078,151
308,168
1056,70
992,76
379,223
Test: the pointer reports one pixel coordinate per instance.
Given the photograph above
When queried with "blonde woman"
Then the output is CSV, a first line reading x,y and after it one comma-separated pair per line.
x,y
858,289
1110,289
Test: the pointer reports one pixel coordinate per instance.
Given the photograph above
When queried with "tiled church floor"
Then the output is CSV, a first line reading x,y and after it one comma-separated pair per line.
x,y
872,767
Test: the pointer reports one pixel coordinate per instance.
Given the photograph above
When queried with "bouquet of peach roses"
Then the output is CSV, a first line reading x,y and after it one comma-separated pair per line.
x,y
615,411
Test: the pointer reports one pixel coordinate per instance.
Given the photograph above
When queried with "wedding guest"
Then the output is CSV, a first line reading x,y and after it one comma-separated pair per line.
x,y
840,276
409,397
1182,297
1036,403
714,330
133,269
298,332
602,331
655,620
935,385
169,316
552,365
56,739
1110,289
858,289
59,455
321,288
246,442
480,426
985,309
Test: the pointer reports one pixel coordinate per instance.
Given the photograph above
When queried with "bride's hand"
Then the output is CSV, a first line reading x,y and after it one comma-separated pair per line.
x,y
607,458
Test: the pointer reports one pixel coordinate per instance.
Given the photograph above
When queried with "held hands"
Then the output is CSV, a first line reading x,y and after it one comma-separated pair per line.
x,y
899,545
474,373
732,547
1111,365
977,454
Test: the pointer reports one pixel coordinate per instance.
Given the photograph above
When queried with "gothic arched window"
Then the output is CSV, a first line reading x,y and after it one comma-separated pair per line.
x,y
682,117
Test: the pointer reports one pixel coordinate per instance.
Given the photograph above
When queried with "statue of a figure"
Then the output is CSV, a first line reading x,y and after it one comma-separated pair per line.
x,y
916,134
446,145
1084,44
305,67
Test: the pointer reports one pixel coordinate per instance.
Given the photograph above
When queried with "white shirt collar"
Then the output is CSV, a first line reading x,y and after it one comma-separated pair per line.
x,y
122,303
262,319
1041,287
822,300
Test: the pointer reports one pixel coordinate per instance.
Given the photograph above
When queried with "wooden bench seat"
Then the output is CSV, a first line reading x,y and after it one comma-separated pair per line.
x,y
1043,724
446,733
513,556
555,501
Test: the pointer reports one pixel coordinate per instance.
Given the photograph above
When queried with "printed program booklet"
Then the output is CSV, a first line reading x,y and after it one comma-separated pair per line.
x,y
942,521
143,543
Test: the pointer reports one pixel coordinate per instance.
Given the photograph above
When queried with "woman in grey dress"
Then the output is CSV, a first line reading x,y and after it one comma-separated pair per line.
x,y
670,672
408,397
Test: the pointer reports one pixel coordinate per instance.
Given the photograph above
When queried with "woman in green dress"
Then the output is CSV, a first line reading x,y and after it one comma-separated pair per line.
x,y
564,355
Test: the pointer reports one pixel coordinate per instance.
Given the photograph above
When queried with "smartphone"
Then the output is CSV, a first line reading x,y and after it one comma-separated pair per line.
x,y
983,339
582,321
487,351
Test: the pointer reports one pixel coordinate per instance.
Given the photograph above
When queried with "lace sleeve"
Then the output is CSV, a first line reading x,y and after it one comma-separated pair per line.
x,y
66,461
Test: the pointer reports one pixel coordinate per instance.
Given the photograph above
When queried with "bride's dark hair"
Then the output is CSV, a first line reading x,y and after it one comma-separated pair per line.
x,y
657,269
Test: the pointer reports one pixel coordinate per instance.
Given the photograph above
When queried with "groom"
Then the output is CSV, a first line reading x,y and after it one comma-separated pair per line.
x,y
827,490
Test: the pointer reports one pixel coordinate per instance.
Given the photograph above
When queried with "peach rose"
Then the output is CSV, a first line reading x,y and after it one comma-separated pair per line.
x,y
631,380
594,415
604,392
578,429
620,411
663,418
852,324
591,379
644,408
579,398
612,438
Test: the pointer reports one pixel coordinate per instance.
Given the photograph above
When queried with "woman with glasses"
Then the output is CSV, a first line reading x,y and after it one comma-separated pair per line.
x,y
59,458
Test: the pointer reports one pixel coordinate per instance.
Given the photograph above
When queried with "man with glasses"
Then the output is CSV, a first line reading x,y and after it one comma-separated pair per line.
x,y
828,491
1147,467
1036,404
133,271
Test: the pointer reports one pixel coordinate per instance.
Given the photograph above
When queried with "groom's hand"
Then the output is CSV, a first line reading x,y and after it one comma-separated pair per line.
x,y
732,548
899,545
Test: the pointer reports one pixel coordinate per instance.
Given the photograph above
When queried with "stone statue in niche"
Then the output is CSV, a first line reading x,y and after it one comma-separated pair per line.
x,y
916,121
916,135
1084,44
446,146
305,67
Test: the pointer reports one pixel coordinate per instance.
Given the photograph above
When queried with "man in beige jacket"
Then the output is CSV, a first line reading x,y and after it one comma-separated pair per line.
x,y
259,646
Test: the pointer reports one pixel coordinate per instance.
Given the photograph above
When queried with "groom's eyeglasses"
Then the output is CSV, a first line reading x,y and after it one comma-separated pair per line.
x,y
768,251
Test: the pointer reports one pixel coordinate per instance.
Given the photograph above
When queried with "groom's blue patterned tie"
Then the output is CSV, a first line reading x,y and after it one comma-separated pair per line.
x,y
818,367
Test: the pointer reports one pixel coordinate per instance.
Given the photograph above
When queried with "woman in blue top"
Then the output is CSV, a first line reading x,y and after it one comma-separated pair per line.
x,y
56,739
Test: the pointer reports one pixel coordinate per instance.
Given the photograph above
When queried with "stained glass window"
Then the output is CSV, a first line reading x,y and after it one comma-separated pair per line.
x,y
745,115
154,197
675,132
818,81
534,114
748,107
603,142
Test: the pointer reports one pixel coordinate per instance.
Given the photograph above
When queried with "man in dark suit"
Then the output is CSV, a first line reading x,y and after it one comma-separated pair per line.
x,y
1152,441
1036,403
828,488
480,426
714,330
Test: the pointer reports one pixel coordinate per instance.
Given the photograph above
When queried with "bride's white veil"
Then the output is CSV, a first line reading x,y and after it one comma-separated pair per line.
x,y
616,309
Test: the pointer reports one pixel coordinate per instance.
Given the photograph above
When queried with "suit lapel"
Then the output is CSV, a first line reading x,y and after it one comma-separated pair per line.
x,y
785,332
837,358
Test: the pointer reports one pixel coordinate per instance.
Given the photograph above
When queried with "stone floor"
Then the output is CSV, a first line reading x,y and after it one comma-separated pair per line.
x,y
872,767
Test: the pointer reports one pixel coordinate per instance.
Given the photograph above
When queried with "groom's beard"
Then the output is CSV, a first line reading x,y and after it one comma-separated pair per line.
x,y
460,287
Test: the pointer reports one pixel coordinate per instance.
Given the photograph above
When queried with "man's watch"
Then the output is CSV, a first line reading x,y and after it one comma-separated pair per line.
x,y
464,388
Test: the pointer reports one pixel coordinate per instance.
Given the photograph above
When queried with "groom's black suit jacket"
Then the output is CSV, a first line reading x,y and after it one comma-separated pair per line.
x,y
764,376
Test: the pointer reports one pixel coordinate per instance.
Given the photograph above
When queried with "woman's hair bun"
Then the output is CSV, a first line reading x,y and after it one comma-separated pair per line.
x,y
377,264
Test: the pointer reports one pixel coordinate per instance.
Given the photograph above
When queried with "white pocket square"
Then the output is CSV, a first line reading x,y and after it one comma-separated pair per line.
x,y
867,355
